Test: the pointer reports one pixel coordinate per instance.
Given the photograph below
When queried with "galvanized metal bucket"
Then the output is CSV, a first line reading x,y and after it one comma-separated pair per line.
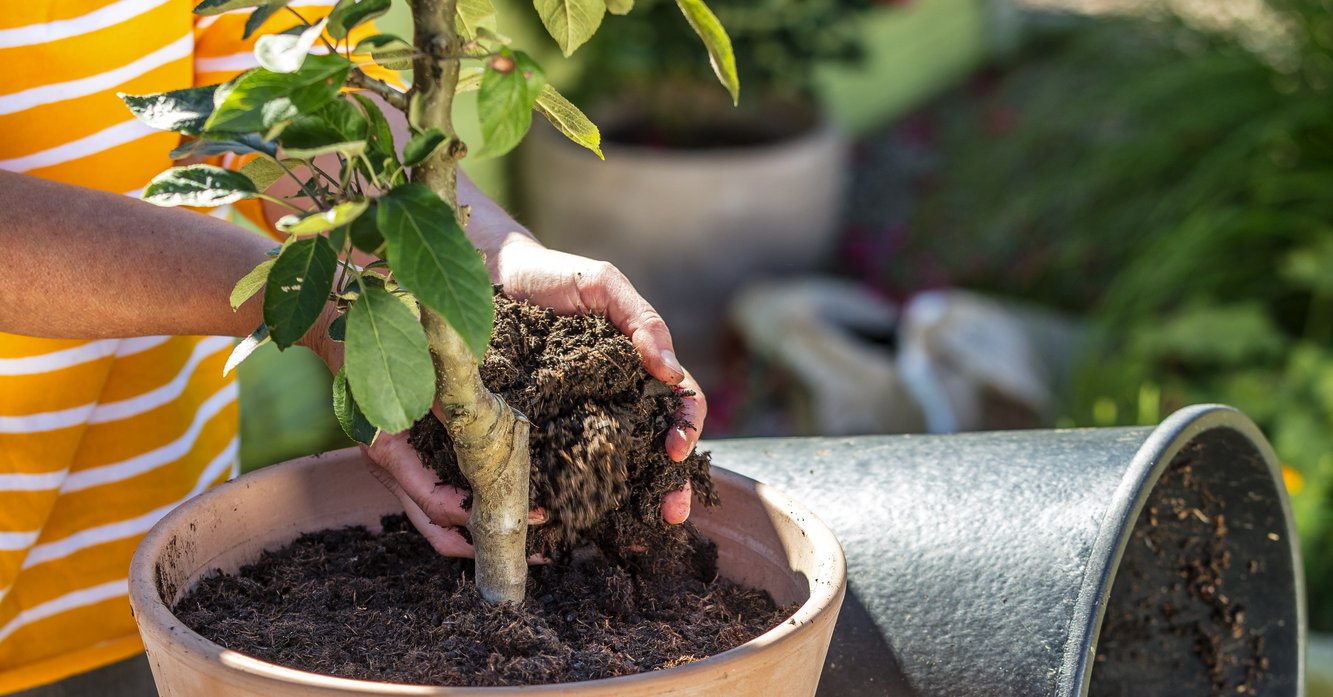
x,y
984,564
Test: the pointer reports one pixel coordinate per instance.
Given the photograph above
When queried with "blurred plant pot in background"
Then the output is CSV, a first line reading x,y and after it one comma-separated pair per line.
x,y
695,199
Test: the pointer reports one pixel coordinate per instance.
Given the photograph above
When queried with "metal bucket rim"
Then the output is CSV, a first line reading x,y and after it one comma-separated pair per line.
x,y
1113,535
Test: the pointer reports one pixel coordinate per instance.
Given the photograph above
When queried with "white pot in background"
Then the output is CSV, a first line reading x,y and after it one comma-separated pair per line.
x,y
691,226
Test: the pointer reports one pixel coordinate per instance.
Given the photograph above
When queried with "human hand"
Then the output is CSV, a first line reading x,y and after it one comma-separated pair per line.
x,y
434,509
570,284
567,284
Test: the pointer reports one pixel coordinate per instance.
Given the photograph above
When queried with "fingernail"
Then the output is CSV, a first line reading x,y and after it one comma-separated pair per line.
x,y
681,452
669,358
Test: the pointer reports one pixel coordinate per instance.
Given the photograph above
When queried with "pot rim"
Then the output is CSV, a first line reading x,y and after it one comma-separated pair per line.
x,y
152,614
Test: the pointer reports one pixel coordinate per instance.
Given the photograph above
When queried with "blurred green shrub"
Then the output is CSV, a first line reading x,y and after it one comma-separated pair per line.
x,y
777,43
1179,189
285,409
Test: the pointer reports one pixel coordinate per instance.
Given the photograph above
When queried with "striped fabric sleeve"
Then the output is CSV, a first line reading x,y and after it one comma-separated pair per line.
x,y
221,54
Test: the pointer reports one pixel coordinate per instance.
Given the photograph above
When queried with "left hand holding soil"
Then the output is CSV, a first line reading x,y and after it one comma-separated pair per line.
x,y
435,510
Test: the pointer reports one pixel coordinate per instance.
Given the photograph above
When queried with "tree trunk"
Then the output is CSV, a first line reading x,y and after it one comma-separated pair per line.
x,y
490,438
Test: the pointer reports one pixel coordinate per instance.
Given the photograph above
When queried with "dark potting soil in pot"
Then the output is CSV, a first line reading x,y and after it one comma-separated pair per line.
x,y
1172,617
625,593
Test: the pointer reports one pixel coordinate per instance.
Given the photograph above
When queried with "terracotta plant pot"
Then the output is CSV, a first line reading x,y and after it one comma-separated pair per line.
x,y
764,539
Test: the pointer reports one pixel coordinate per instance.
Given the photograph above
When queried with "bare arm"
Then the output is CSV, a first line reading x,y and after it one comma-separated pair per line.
x,y
97,265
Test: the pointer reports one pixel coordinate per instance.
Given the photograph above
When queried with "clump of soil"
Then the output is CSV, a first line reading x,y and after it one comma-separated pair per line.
x,y
625,592
387,607
599,425
1170,616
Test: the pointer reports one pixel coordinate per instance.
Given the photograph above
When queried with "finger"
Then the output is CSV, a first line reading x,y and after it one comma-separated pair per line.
x,y
610,292
536,516
447,541
443,505
676,505
652,340
682,437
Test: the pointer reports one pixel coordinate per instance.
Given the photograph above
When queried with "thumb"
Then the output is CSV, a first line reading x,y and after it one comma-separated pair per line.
x,y
651,338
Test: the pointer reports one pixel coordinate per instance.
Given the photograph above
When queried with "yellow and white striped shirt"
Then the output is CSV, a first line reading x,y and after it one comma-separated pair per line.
x,y
99,439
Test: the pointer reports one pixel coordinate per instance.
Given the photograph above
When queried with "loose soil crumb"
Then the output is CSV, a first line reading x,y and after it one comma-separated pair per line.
x,y
599,425
625,592
1170,617
388,608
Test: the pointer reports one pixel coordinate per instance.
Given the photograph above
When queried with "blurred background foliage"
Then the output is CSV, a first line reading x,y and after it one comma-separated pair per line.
x,y
776,49
1171,181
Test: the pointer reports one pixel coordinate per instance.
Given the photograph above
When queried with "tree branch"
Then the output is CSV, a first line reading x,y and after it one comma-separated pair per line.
x,y
358,79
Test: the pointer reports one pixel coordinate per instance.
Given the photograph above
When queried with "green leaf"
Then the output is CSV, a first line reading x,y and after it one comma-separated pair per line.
x,y
262,100
286,52
569,120
336,127
1239,334
204,186
571,22
717,42
263,172
388,363
1311,266
380,147
388,50
247,346
250,283
338,238
365,233
469,79
261,15
475,14
323,221
619,7
242,144
346,149
182,111
422,146
217,7
338,328
350,416
350,13
298,286
346,119
509,91
430,255
415,107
